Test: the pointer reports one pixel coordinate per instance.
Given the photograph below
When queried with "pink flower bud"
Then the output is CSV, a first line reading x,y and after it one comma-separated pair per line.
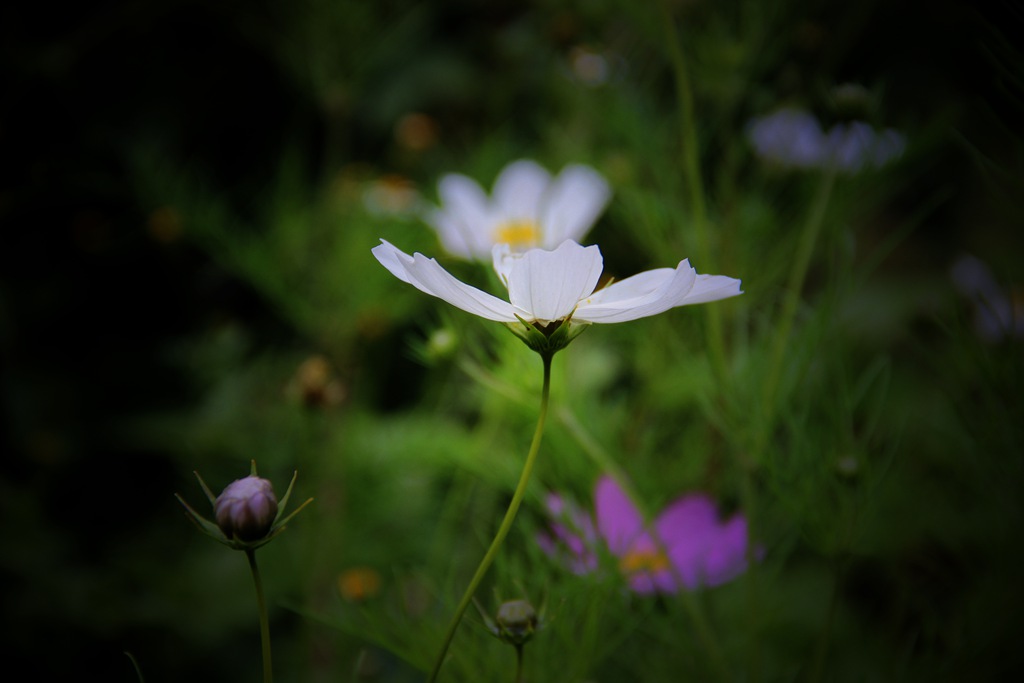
x,y
246,509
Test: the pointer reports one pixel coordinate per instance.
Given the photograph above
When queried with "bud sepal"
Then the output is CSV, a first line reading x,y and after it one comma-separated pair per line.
x,y
515,623
547,338
243,510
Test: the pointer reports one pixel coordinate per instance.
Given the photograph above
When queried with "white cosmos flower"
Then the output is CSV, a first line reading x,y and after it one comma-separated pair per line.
x,y
558,285
527,209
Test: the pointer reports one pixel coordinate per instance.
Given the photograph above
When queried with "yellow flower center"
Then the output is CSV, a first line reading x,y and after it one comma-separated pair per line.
x,y
518,234
646,561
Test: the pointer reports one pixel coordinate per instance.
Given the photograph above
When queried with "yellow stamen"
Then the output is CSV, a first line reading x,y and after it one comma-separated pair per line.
x,y
517,234
646,561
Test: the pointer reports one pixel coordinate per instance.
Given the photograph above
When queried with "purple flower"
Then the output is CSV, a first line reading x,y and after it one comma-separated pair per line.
x,y
852,146
793,138
246,509
789,137
998,313
686,547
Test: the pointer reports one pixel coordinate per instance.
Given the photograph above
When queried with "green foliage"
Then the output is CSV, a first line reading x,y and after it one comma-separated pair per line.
x,y
808,427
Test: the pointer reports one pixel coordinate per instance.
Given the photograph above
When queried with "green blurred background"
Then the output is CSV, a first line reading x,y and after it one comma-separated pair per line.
x,y
189,194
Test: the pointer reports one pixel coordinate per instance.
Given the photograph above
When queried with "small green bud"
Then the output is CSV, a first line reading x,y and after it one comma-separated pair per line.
x,y
516,621
246,509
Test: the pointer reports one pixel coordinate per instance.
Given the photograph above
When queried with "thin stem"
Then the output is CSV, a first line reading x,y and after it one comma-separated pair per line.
x,y
797,273
694,182
268,672
519,664
506,523
135,664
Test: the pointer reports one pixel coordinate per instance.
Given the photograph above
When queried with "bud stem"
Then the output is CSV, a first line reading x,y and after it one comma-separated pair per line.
x,y
506,523
261,603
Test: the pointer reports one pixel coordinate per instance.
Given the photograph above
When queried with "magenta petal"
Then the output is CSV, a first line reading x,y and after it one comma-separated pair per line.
x,y
727,557
572,538
547,544
700,547
618,520
646,584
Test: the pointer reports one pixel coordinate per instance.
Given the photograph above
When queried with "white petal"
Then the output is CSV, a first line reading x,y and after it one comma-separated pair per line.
x,y
428,276
653,292
393,258
647,293
453,233
502,257
518,190
634,290
465,222
549,284
573,202
712,288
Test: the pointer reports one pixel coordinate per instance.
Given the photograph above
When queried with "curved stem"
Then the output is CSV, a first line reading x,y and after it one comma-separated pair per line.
x,y
506,523
261,603
135,665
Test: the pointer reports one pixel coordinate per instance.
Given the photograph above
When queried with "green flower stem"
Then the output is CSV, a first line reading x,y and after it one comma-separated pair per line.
x,y
694,182
797,273
519,664
135,665
506,523
261,602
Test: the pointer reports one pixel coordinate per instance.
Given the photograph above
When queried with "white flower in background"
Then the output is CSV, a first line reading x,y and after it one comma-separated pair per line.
x,y
528,208
548,288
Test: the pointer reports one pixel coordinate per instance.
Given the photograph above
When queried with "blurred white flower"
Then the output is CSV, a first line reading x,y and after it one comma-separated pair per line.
x,y
793,138
527,209
558,285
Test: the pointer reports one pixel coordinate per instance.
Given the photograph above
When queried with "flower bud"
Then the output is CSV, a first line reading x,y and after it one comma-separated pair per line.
x,y
547,338
442,344
517,621
246,509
